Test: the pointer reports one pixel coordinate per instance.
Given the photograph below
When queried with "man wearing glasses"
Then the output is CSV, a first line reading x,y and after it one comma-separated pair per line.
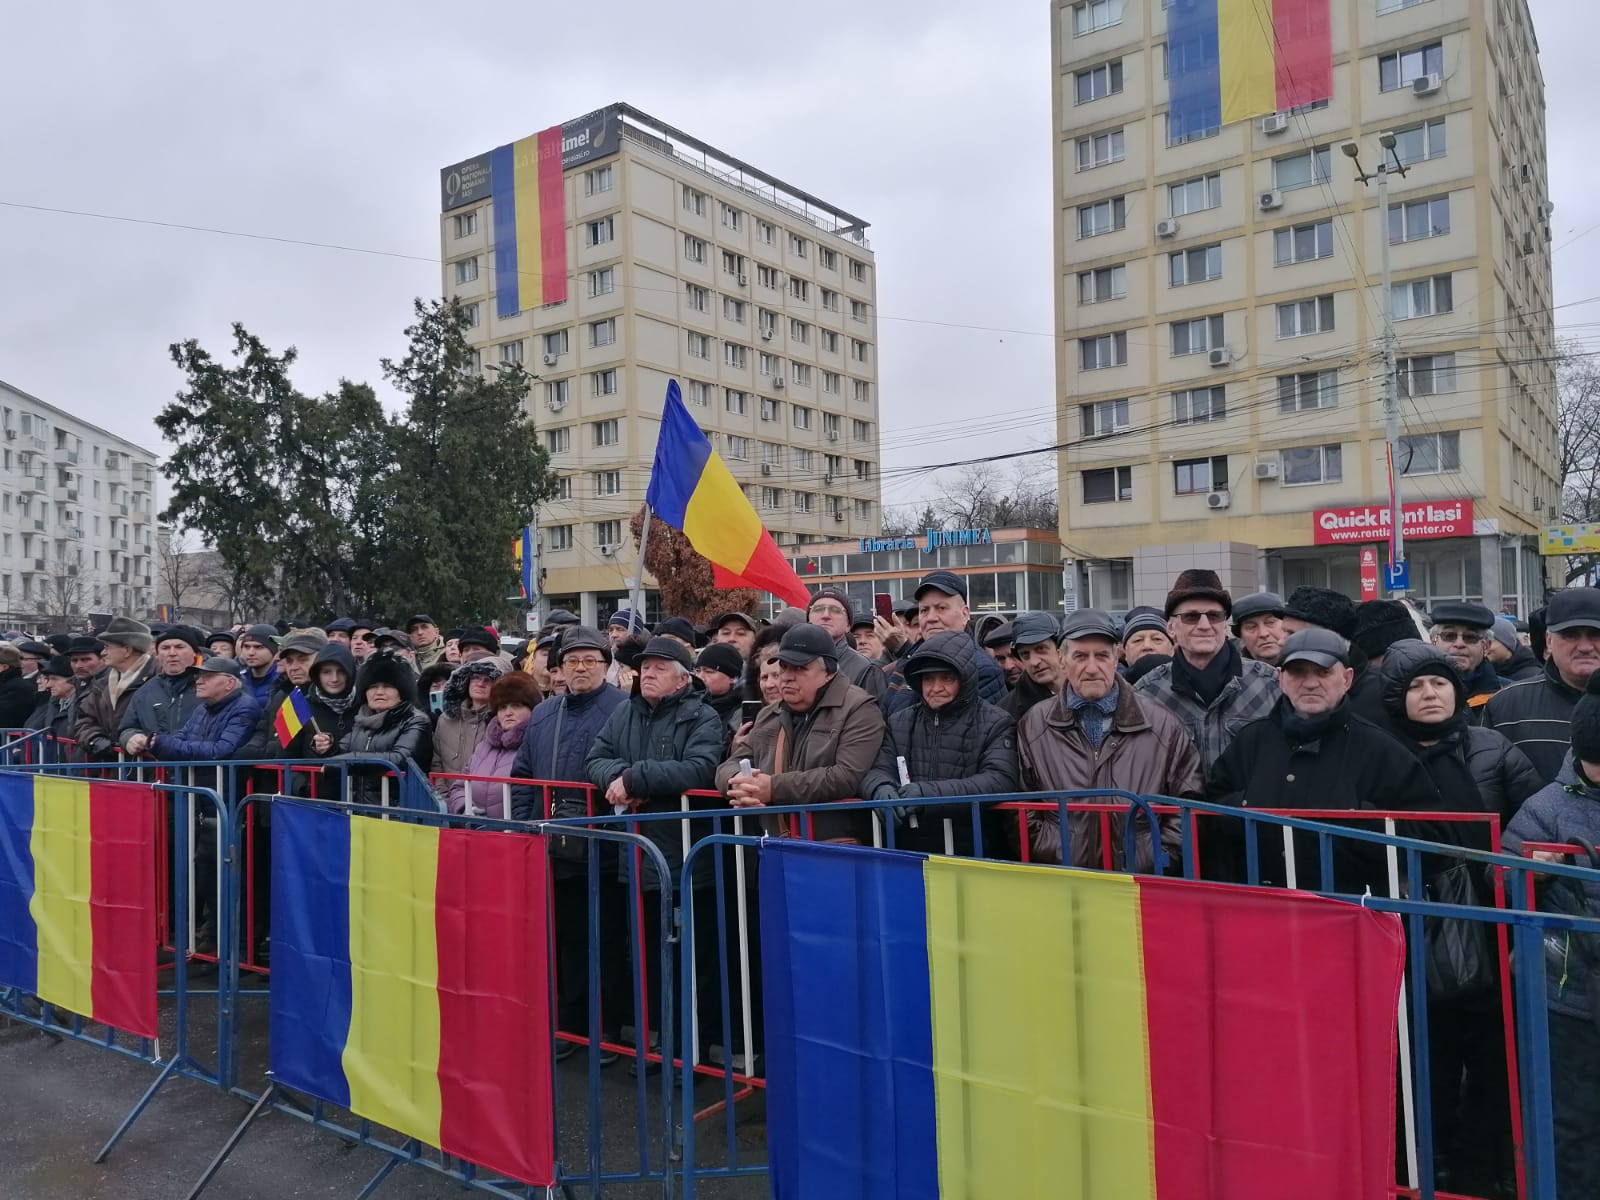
x,y
1462,632
1208,685
1537,715
830,610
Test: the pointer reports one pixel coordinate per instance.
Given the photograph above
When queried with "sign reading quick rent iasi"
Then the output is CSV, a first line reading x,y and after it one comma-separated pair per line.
x,y
1370,522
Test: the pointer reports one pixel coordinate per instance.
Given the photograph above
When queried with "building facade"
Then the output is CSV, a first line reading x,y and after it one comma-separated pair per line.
x,y
1220,312
660,257
76,518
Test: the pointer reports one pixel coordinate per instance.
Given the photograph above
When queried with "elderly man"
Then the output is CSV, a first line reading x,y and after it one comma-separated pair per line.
x,y
1258,624
426,642
163,704
129,665
221,721
1034,647
1208,685
58,704
1144,632
1537,715
1462,631
830,610
19,694
1101,734
942,606
1313,752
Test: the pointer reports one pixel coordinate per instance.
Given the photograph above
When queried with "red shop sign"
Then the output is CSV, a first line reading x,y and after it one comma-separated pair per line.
x,y
1370,522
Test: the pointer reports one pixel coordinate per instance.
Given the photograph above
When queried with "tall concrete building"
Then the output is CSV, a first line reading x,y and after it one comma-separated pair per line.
x,y
1220,311
613,253
76,517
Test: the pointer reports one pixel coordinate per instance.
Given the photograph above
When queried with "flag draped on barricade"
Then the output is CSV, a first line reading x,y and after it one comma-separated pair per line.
x,y
78,897
410,982
949,1027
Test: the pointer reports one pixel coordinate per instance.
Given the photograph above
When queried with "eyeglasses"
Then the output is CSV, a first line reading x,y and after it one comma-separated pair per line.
x,y
587,664
1467,637
833,610
1214,617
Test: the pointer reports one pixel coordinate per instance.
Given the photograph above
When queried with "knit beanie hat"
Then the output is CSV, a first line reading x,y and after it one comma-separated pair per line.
x,y
1326,608
1380,624
1140,618
1504,631
1586,722
1196,584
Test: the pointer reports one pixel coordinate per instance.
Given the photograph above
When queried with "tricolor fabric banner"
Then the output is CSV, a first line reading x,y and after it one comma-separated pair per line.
x,y
943,1027
530,223
410,981
78,896
1230,60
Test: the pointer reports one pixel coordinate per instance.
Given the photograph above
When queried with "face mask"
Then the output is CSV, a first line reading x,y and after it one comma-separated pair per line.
x,y
436,702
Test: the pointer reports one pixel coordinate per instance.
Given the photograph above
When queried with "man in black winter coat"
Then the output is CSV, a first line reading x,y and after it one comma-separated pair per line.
x,y
1537,715
19,694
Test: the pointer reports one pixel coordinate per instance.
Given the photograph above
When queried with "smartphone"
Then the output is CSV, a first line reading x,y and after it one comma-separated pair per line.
x,y
883,605
750,710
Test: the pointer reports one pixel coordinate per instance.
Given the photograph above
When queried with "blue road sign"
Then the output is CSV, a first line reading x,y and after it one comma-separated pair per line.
x,y
1397,576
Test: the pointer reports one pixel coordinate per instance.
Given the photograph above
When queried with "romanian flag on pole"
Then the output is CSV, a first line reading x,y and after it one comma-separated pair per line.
x,y
528,190
410,982
293,715
691,489
78,896
1230,60
940,1027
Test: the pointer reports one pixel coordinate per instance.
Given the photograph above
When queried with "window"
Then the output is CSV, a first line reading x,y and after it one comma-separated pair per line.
x,y
698,298
1098,82
1308,390
694,249
1302,243
1194,266
559,537
699,346
830,382
861,390
598,233
1103,283
769,409
1397,70
510,353
1428,375
1191,476
1307,169
733,264
558,441
800,289
858,350
1194,195
799,374
829,300
733,354
474,361
766,322
471,314
732,218
564,488
771,454
1100,149
1178,135
1420,142
798,246
830,430
767,277
1418,219
803,502
827,259
1300,317
1107,350
608,534
1197,336
1095,14
1430,453
466,224
1311,464
1108,485
799,332
606,433
858,310
860,431
765,231
1104,418
603,333
738,403
863,510
597,180
738,448
603,282
830,341
801,416
604,383
771,498
694,201
1198,405
858,270
1421,298
802,461
863,468
1104,217
557,341
733,310
767,364
608,483
466,270
699,393
1390,6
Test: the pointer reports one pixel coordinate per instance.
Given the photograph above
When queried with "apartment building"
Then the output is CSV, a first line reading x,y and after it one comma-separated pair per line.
x,y
76,518
655,256
1220,309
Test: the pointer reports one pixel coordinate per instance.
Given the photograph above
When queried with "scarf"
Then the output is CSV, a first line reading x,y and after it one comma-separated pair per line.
x,y
1094,716
1446,764
1303,729
339,704
505,739
1417,732
1205,684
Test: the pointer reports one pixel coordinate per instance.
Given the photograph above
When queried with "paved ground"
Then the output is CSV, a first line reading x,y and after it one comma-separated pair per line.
x,y
59,1101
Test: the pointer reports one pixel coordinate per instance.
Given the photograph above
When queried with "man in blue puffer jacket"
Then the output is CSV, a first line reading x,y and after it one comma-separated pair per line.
x,y
221,722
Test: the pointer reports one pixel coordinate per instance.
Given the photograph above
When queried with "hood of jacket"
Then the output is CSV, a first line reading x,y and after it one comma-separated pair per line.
x,y
947,651
455,692
1401,662
339,655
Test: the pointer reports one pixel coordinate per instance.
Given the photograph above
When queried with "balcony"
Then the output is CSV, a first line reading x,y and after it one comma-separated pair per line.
x,y
122,543
36,568
65,493
64,455
122,509
33,485
38,522
73,532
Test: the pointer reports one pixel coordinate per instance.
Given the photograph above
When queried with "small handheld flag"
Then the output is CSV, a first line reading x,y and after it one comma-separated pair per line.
x,y
294,714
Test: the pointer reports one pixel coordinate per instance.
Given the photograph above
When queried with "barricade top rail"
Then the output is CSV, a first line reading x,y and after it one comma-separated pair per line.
x,y
334,764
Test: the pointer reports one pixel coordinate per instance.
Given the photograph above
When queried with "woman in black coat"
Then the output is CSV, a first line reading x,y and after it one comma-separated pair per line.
x,y
388,725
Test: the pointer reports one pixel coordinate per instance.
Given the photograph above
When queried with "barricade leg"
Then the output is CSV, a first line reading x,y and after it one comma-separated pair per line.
x,y
266,1098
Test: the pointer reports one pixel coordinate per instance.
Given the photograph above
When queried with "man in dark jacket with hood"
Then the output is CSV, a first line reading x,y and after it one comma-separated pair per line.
x,y
1536,715
950,743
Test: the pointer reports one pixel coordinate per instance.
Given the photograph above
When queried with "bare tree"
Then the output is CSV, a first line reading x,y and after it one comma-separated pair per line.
x,y
985,496
234,590
1578,418
181,565
66,589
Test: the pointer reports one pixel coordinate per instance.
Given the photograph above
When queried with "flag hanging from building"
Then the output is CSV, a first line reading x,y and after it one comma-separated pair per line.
x,y
410,984
293,715
691,489
78,897
522,555
529,194
940,1027
1230,60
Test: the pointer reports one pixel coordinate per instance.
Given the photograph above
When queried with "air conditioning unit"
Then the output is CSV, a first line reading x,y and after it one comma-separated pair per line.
x,y
1218,500
1220,357
551,359
608,551
743,280
1274,122
766,335
766,468
1525,171
1427,85
1527,242
1266,468
833,435
838,516
777,381
555,404
827,477
1167,228
1267,201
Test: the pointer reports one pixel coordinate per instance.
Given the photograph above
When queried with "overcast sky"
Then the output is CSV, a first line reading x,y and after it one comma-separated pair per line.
x,y
329,123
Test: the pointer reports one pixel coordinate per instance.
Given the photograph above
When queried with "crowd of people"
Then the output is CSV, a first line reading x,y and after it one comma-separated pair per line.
x,y
1313,702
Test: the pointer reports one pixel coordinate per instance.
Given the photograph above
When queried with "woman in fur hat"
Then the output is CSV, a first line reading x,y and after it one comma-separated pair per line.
x,y
388,725
511,702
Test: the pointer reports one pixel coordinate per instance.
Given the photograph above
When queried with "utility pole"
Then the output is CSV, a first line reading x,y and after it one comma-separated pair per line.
x,y
1391,366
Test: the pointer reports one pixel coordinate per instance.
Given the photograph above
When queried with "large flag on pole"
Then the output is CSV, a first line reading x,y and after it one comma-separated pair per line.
x,y
692,490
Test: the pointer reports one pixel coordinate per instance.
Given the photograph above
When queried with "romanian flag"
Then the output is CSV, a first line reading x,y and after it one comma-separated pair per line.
x,y
943,1027
691,489
522,556
1230,60
78,896
530,223
294,714
410,983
